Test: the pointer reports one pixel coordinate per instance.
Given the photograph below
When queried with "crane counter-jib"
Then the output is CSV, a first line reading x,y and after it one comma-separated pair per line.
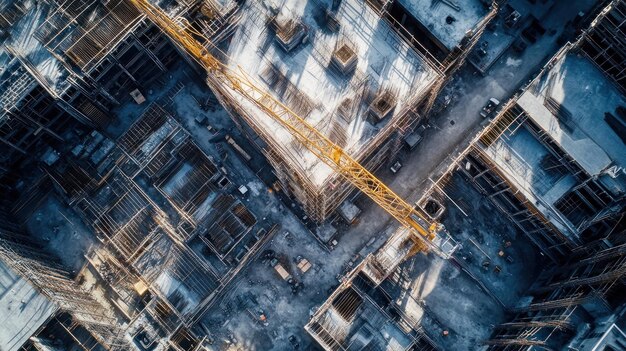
x,y
328,152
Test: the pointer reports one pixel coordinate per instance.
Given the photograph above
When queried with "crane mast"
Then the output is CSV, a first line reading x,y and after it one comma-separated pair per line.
x,y
328,152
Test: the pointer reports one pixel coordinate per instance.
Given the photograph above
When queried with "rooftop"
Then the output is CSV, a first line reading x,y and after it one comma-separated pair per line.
x,y
434,14
22,308
582,111
528,164
304,79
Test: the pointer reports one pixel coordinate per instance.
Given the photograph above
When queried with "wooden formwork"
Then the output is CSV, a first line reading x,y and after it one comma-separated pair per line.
x,y
95,29
352,303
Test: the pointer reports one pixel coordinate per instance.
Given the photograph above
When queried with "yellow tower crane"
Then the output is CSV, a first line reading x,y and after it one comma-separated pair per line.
x,y
328,152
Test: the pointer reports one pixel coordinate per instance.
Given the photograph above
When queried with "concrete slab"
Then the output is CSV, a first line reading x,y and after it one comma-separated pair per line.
x,y
434,15
586,96
22,308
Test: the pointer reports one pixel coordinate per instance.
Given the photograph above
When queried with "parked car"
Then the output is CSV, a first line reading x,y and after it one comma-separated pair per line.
x,y
396,167
489,108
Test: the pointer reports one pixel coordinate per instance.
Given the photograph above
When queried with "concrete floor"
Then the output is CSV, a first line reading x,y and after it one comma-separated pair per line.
x,y
482,236
23,309
440,297
62,232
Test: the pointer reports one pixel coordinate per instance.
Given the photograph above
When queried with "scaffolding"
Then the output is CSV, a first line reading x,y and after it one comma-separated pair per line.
x,y
605,43
357,310
95,29
320,200
590,254
112,49
11,12
586,282
101,52
139,234
49,277
453,59
29,114
560,226
148,246
562,298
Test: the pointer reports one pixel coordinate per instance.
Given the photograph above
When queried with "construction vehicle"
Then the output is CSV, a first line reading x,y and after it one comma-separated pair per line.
x,y
395,167
489,108
427,236
296,286
251,305
281,270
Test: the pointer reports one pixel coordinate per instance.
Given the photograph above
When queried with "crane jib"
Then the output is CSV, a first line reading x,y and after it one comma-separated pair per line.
x,y
328,152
